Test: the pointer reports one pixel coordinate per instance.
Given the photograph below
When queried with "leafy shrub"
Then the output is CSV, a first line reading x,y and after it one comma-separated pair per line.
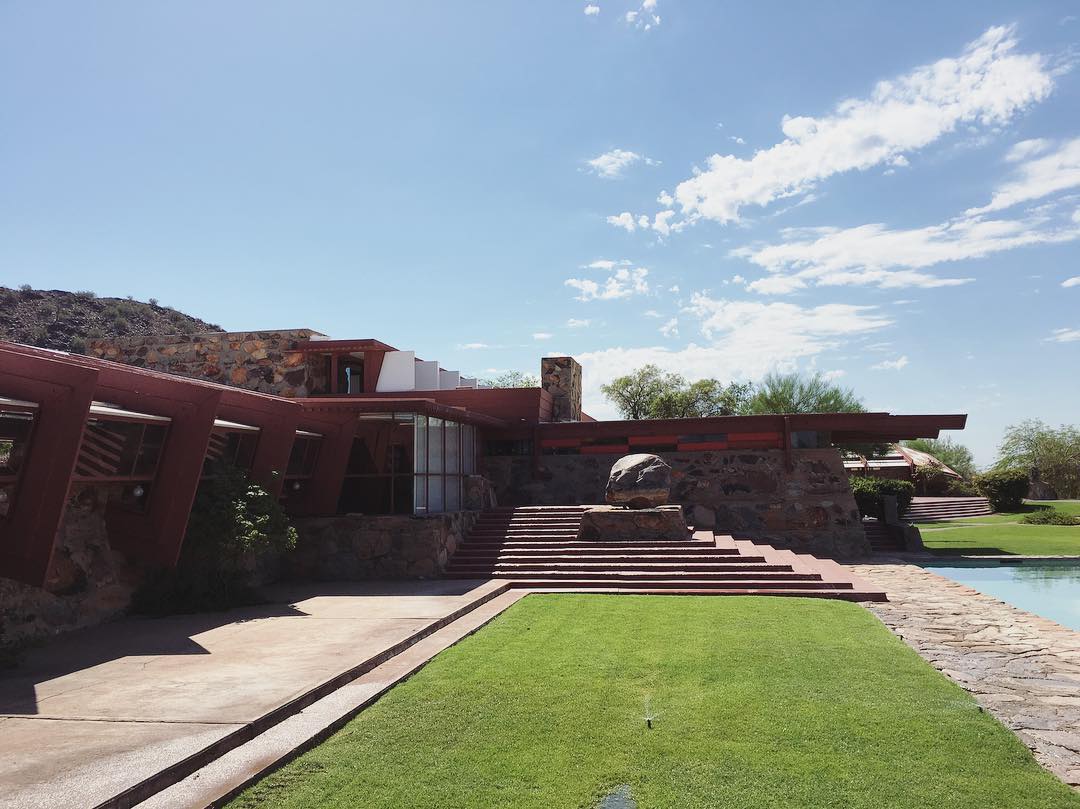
x,y
77,345
1050,516
869,492
1005,489
233,524
960,488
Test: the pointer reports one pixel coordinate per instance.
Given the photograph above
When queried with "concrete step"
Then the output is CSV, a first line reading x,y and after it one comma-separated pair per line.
x,y
674,583
604,558
632,566
642,590
580,547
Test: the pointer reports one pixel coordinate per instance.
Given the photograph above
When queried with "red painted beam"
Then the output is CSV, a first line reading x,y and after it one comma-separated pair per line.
x,y
319,494
63,395
277,420
157,534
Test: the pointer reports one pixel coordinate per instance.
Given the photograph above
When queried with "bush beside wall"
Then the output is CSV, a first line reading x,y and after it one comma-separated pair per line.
x,y
869,492
1004,489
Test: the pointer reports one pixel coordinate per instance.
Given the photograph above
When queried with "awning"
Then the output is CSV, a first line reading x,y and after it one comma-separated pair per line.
x,y
112,412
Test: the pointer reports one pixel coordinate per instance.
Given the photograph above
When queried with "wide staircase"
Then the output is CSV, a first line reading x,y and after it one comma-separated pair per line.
x,y
932,509
537,547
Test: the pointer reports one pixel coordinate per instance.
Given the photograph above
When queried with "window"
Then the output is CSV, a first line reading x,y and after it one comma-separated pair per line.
x,y
230,448
15,429
379,473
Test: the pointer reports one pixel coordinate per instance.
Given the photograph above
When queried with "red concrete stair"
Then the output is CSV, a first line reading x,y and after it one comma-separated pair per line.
x,y
537,548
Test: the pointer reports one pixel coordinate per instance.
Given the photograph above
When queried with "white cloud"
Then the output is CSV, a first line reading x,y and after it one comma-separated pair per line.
x,y
833,375
473,346
1024,149
625,220
542,335
742,339
875,255
645,17
736,139
1038,177
671,328
1064,336
674,288
592,10
1071,282
621,284
612,164
987,85
891,365
652,313
660,222
607,264
578,323
665,199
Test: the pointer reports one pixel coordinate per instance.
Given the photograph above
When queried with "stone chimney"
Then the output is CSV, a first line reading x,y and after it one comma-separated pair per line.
x,y
561,377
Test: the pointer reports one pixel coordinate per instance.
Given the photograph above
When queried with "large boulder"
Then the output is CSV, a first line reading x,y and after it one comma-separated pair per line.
x,y
639,481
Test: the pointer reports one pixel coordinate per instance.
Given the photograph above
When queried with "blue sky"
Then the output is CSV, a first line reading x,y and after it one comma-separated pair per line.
x,y
885,192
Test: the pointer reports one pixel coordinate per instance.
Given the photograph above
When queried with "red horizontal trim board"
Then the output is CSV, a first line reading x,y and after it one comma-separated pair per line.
x,y
606,449
733,437
701,446
638,440
561,442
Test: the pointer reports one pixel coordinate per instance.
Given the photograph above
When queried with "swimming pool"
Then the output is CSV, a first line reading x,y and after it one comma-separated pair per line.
x,y
1049,589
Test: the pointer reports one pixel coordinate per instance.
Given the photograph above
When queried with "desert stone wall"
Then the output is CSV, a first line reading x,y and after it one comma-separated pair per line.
x,y
747,492
88,582
561,377
264,361
355,547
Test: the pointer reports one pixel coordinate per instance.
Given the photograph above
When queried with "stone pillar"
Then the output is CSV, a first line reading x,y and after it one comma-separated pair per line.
x,y
561,377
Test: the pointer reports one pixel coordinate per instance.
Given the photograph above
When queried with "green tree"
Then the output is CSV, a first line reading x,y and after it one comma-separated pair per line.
x,y
951,453
795,393
649,393
1044,453
514,379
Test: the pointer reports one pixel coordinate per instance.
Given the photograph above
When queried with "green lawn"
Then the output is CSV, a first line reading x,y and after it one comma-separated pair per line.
x,y
760,702
1005,534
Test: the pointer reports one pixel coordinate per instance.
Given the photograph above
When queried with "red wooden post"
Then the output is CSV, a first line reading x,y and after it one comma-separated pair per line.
x,y
63,395
277,420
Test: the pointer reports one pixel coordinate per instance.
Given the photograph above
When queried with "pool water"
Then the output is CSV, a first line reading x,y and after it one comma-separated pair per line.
x,y
1047,589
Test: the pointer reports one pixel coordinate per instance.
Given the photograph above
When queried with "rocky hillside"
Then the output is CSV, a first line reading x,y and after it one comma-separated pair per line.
x,y
66,320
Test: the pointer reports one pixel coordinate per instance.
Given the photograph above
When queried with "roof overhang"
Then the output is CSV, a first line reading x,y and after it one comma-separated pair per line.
x,y
420,406
342,346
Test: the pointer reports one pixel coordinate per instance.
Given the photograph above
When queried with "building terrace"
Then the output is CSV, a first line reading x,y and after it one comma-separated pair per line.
x,y
103,455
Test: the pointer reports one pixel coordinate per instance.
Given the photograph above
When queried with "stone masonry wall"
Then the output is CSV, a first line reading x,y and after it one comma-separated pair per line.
x,y
264,361
88,582
743,492
347,548
561,377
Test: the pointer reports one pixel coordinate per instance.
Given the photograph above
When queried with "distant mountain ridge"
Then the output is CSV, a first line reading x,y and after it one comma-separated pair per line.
x,y
66,320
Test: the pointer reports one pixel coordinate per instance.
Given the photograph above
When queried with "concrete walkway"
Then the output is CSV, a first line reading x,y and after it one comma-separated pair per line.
x,y
1022,668
115,712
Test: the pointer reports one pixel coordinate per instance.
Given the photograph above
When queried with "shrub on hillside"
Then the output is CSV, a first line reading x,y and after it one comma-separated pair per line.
x,y
1005,489
1050,516
869,492
233,524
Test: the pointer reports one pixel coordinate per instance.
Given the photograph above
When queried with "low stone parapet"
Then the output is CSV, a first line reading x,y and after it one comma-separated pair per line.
x,y
600,523
352,547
